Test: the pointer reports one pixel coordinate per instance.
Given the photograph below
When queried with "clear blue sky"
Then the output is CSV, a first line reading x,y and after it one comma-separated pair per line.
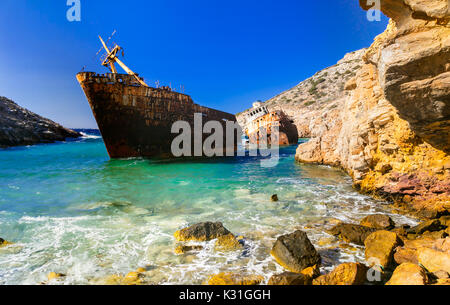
x,y
226,53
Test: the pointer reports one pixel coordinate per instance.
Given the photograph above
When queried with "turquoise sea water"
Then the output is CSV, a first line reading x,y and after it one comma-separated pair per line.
x,y
70,209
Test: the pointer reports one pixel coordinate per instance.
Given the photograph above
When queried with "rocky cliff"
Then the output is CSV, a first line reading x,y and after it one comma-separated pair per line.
x,y
391,132
19,126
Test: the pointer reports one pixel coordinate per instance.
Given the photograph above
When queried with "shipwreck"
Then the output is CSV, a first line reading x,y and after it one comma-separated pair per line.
x,y
135,119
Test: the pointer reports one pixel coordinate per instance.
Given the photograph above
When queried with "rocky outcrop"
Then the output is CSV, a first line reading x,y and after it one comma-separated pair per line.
x,y
204,231
391,132
295,252
19,127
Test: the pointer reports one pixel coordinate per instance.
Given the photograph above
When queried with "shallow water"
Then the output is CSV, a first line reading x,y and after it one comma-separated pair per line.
x,y
70,209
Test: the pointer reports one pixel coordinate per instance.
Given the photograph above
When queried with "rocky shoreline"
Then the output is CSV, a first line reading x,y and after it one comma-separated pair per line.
x,y
395,254
20,127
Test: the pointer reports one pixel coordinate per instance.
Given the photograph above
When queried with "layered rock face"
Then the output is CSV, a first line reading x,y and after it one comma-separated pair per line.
x,y
392,131
19,126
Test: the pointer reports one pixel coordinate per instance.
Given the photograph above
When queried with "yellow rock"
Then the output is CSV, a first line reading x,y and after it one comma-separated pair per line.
x,y
408,274
311,272
110,280
204,231
54,275
380,246
132,278
227,243
345,274
434,260
324,241
445,282
235,279
4,243
141,270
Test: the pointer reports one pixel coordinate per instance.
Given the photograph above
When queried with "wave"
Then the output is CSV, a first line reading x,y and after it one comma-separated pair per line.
x,y
89,136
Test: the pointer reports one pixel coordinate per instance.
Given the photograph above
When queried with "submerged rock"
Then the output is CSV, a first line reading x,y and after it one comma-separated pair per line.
x,y
380,248
204,231
4,243
345,274
352,233
235,279
53,276
408,274
290,278
295,252
378,221
183,249
132,278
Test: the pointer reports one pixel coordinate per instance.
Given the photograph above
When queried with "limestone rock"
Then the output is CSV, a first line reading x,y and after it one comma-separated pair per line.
x,y
289,278
295,252
408,274
235,279
380,248
204,231
434,260
352,233
378,221
345,274
227,243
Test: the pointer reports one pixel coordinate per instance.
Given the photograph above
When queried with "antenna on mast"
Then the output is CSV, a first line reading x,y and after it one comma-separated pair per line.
x,y
110,59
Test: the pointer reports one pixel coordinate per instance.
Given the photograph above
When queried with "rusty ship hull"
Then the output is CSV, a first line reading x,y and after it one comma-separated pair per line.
x,y
135,120
260,130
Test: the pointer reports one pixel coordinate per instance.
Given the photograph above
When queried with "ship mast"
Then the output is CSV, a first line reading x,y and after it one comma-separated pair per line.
x,y
111,59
